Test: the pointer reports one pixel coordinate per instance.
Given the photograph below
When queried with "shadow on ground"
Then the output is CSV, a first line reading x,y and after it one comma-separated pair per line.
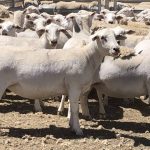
x,y
64,133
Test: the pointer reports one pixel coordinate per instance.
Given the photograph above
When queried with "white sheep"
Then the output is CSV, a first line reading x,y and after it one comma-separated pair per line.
x,y
9,28
19,16
42,73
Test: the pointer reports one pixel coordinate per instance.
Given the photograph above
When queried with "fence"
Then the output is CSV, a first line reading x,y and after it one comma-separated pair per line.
x,y
11,3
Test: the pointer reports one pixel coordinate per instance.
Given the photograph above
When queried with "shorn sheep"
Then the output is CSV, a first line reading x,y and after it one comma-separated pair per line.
x,y
42,73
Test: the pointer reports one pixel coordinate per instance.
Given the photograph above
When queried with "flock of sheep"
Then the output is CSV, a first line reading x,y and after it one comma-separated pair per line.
x,y
45,55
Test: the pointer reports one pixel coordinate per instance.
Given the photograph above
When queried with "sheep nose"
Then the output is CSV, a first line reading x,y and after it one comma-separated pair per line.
x,y
111,22
116,49
4,32
118,42
40,32
54,42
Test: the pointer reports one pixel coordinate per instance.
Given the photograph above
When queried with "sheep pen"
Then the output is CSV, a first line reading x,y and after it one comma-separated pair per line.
x,y
127,125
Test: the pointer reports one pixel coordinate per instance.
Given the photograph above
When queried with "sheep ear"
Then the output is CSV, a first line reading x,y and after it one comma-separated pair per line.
x,y
115,12
41,32
1,20
17,27
130,31
121,37
48,21
28,16
94,37
31,22
24,11
103,12
118,17
101,16
62,29
93,13
10,12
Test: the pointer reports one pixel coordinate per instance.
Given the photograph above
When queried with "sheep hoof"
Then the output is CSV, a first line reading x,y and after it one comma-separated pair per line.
x,y
102,116
78,132
38,110
60,113
88,118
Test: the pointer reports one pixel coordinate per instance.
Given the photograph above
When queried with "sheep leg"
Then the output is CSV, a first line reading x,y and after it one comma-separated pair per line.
x,y
148,89
61,106
84,106
105,100
2,91
37,106
74,95
102,113
69,111
128,101
41,103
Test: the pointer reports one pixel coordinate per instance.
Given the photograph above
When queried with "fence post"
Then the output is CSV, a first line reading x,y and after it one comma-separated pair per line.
x,y
99,6
13,3
115,4
106,4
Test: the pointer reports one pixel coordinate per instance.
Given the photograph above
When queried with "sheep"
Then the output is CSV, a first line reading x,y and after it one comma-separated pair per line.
x,y
28,3
28,18
46,2
4,13
38,74
75,5
121,5
57,35
112,18
147,19
37,24
62,21
67,5
19,16
9,28
127,11
81,30
122,19
50,39
42,42
28,34
47,6
31,9
121,31
132,40
140,17
131,67
46,15
81,23
109,17
110,86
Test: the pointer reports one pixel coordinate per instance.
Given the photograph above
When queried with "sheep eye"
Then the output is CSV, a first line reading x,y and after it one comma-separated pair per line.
x,y
58,31
103,38
46,31
58,20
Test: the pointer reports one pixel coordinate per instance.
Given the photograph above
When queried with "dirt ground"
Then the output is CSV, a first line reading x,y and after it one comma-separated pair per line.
x,y
126,127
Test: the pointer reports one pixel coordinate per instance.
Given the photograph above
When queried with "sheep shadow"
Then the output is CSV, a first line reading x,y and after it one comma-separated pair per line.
x,y
64,133
125,126
23,106
113,112
136,104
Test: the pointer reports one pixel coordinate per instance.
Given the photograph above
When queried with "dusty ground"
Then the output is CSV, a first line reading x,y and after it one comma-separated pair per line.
x,y
127,127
